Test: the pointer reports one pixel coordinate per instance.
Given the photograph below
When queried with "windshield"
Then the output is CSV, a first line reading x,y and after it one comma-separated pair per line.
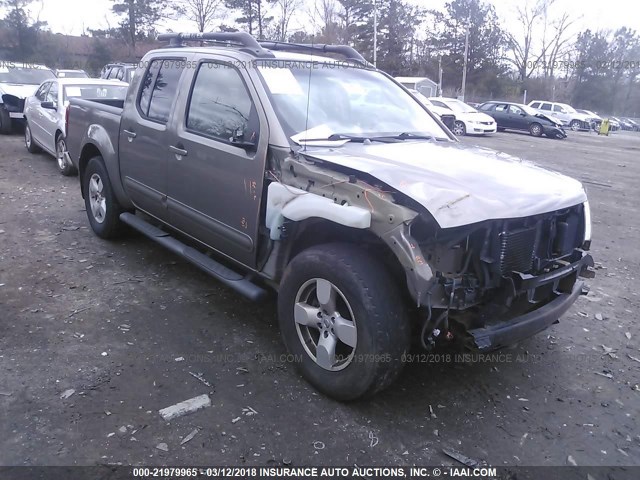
x,y
343,100
568,108
458,106
530,111
424,100
24,75
95,92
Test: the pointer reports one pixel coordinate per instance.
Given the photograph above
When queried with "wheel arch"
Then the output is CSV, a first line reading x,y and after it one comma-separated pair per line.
x,y
88,152
312,232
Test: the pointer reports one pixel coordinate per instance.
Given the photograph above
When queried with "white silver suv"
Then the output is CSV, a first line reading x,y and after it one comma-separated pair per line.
x,y
568,115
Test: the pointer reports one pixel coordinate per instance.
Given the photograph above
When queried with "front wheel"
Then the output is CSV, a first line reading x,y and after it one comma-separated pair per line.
x,y
343,320
535,129
575,125
459,129
65,166
101,204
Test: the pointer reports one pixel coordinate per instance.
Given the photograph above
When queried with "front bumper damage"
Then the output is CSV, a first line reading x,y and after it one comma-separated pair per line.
x,y
500,333
13,105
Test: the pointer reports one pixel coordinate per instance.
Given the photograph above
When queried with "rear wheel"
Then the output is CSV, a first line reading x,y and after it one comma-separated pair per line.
x,y
31,145
575,125
535,129
343,319
62,158
459,129
102,207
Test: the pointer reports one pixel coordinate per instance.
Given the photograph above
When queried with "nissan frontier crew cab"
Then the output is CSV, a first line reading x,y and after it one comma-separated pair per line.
x,y
303,169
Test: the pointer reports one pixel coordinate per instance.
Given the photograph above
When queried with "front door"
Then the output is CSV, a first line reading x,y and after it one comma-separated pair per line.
x,y
49,119
144,140
216,176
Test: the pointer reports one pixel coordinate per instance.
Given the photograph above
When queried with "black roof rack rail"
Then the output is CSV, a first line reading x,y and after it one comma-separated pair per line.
x,y
242,39
346,51
261,48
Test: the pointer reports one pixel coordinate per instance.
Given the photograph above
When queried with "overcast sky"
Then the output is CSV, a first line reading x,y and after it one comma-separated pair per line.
x,y
70,16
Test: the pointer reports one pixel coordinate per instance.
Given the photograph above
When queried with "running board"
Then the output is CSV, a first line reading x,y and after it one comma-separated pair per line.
x,y
224,274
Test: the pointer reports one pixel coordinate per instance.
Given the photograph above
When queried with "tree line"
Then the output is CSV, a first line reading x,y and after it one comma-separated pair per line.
x,y
542,52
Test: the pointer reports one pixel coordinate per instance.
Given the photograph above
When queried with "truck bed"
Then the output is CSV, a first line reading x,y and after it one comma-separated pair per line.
x,y
94,122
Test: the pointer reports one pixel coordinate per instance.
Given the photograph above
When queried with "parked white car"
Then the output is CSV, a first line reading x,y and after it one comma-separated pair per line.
x,y
568,115
469,121
45,113
17,82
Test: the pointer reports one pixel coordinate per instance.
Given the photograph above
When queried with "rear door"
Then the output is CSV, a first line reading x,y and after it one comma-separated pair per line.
x,y
215,184
144,140
500,114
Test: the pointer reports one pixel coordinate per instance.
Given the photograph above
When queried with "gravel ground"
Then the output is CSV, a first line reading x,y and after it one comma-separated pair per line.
x,y
127,325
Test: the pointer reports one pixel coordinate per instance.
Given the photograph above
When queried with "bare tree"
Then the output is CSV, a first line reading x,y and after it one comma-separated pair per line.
x,y
557,45
530,16
202,12
285,9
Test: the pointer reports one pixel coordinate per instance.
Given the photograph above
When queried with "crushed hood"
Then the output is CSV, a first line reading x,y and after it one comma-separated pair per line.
x,y
459,184
19,91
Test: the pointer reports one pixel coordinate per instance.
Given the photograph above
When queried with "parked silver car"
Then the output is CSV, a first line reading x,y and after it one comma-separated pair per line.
x,y
45,113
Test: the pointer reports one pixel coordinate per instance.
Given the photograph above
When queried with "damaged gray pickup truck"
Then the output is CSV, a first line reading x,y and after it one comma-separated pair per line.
x,y
304,169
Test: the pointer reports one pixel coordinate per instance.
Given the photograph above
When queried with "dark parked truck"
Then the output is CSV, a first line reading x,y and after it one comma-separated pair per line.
x,y
305,170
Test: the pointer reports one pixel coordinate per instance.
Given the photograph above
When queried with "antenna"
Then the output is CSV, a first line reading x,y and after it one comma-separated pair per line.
x,y
306,121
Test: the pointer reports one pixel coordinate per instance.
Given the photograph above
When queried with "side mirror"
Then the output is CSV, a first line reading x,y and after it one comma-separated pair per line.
x,y
48,105
239,140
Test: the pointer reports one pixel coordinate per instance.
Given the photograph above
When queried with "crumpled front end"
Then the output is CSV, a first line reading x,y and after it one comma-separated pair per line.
x,y
500,281
14,105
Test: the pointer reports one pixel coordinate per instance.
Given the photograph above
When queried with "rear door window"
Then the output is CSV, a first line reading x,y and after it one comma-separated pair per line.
x,y
159,88
546,106
502,108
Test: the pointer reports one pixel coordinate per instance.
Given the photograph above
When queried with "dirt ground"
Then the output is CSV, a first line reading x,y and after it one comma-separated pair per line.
x,y
127,325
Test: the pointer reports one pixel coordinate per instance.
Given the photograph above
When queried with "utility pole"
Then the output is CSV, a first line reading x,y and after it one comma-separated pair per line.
x,y
466,54
375,33
439,93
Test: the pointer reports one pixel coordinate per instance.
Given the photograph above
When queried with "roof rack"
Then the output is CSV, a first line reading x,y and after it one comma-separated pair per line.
x,y
249,44
261,48
346,51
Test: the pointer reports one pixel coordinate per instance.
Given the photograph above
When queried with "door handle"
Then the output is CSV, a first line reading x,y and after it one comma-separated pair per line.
x,y
178,151
130,134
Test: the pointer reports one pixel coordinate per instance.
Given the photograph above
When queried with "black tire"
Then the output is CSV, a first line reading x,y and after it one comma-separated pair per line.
x,y
575,125
535,129
107,225
501,129
459,129
29,142
6,125
379,314
65,167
